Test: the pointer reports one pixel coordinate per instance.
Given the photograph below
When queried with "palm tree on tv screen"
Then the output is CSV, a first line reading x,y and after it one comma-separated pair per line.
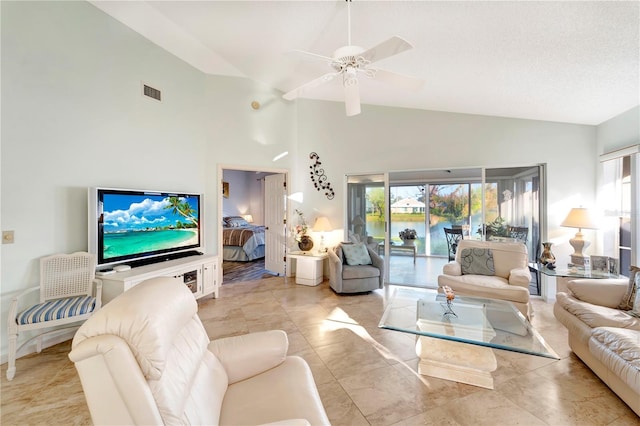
x,y
182,208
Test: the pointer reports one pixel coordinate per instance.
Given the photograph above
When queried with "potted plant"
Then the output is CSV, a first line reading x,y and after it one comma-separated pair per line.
x,y
497,228
305,243
408,236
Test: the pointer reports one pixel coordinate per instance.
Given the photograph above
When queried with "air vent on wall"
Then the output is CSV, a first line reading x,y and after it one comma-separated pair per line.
x,y
151,92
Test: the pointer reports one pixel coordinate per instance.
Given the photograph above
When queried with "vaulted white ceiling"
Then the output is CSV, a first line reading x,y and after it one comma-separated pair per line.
x,y
566,61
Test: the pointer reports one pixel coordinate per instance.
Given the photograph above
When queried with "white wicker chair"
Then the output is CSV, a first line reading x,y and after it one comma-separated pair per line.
x,y
66,297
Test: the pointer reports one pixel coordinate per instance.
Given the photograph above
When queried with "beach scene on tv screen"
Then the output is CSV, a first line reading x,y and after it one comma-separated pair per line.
x,y
135,224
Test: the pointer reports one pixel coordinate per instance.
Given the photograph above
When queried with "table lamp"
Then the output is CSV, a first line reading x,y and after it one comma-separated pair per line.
x,y
579,217
322,225
248,218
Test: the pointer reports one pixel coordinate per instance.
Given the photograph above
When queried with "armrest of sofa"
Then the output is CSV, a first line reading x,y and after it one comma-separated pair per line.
x,y
335,261
520,277
250,354
452,268
603,292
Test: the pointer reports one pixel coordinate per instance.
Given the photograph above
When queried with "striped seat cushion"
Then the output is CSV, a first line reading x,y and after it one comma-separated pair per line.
x,y
57,309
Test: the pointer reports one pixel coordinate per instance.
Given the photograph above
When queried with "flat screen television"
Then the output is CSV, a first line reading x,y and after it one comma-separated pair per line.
x,y
137,227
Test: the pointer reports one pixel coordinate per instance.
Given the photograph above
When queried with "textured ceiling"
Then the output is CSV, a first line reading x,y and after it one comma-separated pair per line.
x,y
566,61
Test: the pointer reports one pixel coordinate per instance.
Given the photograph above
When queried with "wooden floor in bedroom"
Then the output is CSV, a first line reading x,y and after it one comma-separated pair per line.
x,y
244,271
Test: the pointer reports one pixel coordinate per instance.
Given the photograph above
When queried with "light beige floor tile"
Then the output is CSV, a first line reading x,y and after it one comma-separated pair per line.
x,y
351,356
566,392
438,416
365,375
297,343
436,391
512,365
321,374
396,347
339,407
490,408
384,396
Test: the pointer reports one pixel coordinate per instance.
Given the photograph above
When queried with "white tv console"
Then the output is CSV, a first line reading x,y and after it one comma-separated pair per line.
x,y
201,273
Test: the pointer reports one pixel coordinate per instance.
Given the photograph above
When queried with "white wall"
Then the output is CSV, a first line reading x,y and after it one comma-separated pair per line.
x,y
619,132
73,117
392,139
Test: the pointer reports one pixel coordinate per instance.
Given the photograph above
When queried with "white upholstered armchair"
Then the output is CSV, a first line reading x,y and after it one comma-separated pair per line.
x,y
509,279
145,358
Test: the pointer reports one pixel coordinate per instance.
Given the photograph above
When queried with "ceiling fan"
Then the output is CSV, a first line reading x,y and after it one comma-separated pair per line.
x,y
349,61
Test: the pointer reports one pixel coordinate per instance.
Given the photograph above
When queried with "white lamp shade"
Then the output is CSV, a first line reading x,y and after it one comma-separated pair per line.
x,y
248,218
579,217
322,224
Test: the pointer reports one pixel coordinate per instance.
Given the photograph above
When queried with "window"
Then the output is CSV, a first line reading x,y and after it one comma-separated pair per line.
x,y
620,197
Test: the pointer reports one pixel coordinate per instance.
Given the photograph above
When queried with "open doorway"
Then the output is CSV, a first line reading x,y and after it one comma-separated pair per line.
x,y
251,230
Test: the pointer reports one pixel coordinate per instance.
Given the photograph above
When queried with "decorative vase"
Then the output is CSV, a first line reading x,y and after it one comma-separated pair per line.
x,y
547,256
409,242
305,243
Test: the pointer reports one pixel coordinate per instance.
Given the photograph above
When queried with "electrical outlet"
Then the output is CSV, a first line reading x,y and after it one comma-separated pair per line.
x,y
7,237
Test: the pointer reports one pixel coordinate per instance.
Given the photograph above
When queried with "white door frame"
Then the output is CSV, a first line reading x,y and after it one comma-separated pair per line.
x,y
221,169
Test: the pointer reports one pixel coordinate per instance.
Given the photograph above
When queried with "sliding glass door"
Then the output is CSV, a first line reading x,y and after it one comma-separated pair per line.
x,y
367,208
484,203
453,205
513,205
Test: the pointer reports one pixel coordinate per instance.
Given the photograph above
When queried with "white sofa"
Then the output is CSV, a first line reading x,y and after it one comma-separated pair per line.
x,y
605,338
510,281
145,359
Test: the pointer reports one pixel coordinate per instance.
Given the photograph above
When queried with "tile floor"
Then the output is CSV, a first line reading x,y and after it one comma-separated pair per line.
x,y
365,375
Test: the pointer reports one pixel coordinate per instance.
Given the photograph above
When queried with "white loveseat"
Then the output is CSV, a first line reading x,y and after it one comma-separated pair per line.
x,y
605,338
510,281
145,359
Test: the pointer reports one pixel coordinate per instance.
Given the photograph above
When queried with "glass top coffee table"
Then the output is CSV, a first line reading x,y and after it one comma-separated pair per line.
x,y
572,272
454,341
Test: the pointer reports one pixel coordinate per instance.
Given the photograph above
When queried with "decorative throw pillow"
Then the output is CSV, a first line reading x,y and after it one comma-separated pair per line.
x,y
635,311
356,254
629,297
477,261
236,221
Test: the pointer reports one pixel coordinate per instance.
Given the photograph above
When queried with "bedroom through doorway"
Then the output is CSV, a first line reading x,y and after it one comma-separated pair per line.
x,y
252,205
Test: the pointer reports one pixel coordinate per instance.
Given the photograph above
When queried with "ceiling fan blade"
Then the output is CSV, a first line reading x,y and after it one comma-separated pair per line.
x,y
352,98
309,55
398,80
387,48
291,95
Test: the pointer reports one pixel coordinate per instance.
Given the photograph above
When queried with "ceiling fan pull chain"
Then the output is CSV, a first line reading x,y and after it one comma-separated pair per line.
x,y
348,22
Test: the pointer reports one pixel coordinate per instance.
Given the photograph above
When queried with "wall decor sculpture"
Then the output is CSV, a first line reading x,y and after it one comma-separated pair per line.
x,y
319,179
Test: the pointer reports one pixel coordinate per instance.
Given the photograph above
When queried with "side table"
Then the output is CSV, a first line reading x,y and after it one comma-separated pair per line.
x,y
564,275
309,266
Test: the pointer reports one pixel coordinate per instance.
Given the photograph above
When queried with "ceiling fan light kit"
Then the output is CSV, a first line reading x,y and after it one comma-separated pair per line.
x,y
350,60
